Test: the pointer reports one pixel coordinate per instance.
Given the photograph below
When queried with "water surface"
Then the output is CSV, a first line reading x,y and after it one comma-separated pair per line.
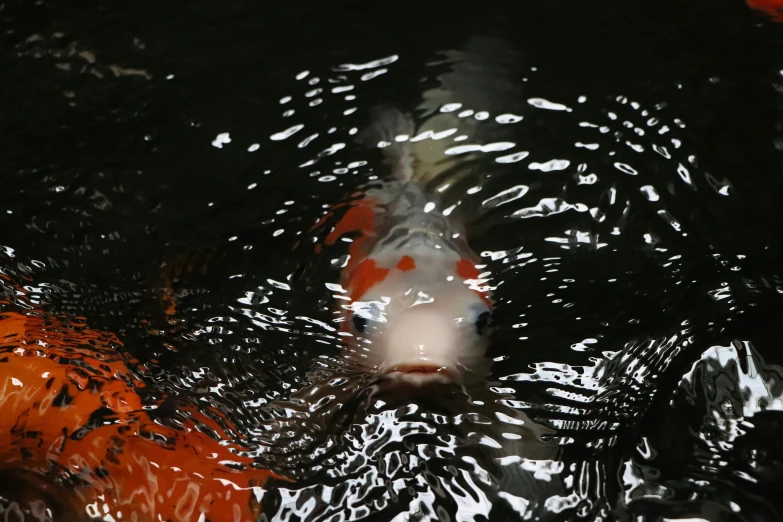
x,y
619,167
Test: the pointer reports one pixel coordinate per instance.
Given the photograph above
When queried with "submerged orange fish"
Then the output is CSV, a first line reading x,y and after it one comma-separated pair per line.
x,y
772,8
79,439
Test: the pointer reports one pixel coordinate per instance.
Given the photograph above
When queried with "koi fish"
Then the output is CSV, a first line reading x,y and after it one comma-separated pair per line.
x,y
415,313
80,438
413,302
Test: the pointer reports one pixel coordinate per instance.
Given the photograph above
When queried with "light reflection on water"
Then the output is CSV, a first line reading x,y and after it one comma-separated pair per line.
x,y
599,214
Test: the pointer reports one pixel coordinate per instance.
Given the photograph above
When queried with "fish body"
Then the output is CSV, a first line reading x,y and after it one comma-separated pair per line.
x,y
415,306
415,311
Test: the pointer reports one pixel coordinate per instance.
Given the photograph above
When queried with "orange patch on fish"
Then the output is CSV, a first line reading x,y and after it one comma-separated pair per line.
x,y
406,263
323,219
359,218
467,270
366,275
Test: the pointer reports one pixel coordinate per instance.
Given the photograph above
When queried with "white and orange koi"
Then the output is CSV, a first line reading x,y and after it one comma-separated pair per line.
x,y
414,303
415,310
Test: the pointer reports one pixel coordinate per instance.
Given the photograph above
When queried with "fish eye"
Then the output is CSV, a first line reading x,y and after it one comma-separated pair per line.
x,y
482,322
359,323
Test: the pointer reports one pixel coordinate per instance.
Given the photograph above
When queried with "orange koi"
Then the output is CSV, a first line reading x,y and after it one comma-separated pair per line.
x,y
771,8
74,419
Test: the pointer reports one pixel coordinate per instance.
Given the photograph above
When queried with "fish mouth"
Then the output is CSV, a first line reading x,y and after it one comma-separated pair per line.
x,y
418,368
419,374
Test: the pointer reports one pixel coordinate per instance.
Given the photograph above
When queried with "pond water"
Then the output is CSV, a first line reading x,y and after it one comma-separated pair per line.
x,y
618,167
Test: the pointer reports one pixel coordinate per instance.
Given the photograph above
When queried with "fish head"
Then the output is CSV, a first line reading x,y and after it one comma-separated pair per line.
x,y
428,323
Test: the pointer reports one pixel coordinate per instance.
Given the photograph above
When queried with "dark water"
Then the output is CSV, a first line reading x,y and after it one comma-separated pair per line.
x,y
625,198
